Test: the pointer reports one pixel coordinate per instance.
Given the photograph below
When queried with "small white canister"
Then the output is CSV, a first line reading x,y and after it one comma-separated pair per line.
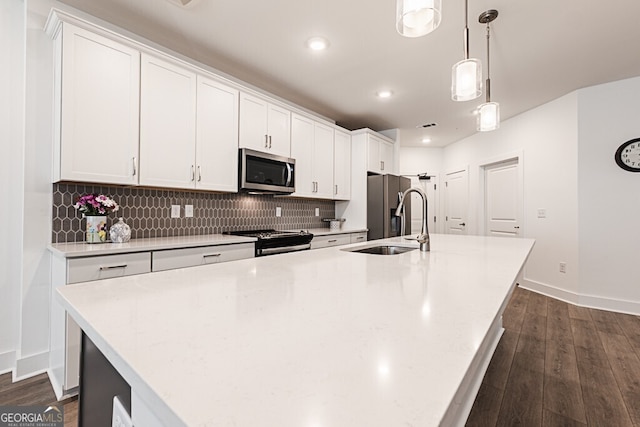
x,y
335,223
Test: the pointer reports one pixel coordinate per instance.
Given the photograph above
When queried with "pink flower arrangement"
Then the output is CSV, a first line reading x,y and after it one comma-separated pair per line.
x,y
95,205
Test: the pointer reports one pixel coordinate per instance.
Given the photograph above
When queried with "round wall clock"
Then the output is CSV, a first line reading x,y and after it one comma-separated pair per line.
x,y
628,155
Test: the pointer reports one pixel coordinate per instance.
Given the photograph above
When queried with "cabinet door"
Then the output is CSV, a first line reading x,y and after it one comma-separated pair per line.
x,y
216,136
279,130
342,166
386,157
253,123
323,160
99,104
167,124
373,154
302,132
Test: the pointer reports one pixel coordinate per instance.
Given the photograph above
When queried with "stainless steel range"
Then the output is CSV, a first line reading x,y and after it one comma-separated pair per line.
x,y
272,242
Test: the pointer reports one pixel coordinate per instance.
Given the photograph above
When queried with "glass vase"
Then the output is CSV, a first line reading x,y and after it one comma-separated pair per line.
x,y
96,231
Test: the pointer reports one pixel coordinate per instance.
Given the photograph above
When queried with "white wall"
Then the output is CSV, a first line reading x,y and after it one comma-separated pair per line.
x,y
609,197
12,25
546,137
567,148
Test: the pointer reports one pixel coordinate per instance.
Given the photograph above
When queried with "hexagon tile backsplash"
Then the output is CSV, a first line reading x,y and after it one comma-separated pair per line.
x,y
148,212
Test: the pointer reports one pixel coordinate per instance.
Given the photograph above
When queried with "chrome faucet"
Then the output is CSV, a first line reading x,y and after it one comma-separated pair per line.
x,y
423,237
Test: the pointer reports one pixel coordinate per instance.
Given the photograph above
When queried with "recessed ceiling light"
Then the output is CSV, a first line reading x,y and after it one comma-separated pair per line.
x,y
384,93
426,140
317,43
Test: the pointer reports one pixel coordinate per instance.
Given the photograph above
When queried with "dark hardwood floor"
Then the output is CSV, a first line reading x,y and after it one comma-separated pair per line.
x,y
561,365
556,365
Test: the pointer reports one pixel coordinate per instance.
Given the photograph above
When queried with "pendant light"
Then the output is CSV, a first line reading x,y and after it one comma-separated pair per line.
x,y
466,75
415,18
489,112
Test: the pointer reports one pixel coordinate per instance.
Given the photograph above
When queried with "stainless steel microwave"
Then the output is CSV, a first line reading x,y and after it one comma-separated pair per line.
x,y
265,173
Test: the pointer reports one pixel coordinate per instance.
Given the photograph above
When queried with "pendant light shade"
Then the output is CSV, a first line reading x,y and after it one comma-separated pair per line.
x,y
466,80
466,75
488,116
489,112
415,18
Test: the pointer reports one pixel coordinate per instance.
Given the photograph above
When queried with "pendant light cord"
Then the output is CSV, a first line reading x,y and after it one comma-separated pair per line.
x,y
466,29
488,85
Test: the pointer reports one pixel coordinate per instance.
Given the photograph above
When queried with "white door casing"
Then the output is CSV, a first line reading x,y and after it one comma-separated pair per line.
x,y
456,201
503,199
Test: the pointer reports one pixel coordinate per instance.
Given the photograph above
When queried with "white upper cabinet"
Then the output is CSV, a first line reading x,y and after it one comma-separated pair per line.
x,y
97,85
167,124
312,148
379,155
216,136
264,126
342,165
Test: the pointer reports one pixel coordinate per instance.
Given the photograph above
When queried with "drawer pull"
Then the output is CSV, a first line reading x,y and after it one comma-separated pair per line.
x,y
211,255
112,267
333,241
360,238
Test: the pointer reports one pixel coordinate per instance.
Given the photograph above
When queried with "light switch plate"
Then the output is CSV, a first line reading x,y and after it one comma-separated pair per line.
x,y
188,211
278,211
175,211
542,213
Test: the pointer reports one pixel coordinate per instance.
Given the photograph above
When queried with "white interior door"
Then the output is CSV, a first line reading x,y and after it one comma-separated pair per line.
x,y
429,188
503,199
456,202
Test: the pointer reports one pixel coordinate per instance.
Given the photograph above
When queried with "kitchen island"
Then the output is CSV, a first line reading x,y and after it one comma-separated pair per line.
x,y
323,338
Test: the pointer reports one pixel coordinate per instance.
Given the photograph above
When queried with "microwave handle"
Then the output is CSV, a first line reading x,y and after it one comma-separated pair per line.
x,y
289,175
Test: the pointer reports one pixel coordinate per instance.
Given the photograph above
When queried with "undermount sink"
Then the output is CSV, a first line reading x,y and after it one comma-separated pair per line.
x,y
383,250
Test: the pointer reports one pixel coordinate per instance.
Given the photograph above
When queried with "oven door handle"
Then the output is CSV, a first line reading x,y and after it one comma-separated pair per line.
x,y
289,175
283,249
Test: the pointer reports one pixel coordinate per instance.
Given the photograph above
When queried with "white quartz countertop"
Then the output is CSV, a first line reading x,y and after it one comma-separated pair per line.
x,y
82,249
307,339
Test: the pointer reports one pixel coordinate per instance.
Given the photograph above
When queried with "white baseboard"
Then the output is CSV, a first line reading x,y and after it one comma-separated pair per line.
x,y
589,301
7,361
29,366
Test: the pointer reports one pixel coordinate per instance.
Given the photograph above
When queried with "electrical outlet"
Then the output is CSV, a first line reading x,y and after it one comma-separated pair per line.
x,y
120,417
175,211
317,211
278,211
563,267
542,213
188,211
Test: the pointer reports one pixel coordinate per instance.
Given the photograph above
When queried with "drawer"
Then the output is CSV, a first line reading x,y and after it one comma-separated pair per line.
x,y
191,257
359,237
332,240
107,266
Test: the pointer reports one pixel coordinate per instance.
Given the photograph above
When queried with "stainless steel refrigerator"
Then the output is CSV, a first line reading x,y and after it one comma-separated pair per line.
x,y
383,195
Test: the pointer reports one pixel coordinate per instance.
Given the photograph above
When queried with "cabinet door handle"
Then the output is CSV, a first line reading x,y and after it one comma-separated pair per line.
x,y
112,267
269,141
336,189
211,255
359,238
193,173
266,141
135,168
199,174
332,241
462,224
381,165
517,226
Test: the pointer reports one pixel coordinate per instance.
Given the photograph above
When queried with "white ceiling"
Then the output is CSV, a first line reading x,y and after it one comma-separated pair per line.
x,y
540,50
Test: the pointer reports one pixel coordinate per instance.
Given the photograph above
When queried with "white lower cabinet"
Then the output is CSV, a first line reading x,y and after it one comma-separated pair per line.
x,y
64,359
330,240
191,257
359,237
65,334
